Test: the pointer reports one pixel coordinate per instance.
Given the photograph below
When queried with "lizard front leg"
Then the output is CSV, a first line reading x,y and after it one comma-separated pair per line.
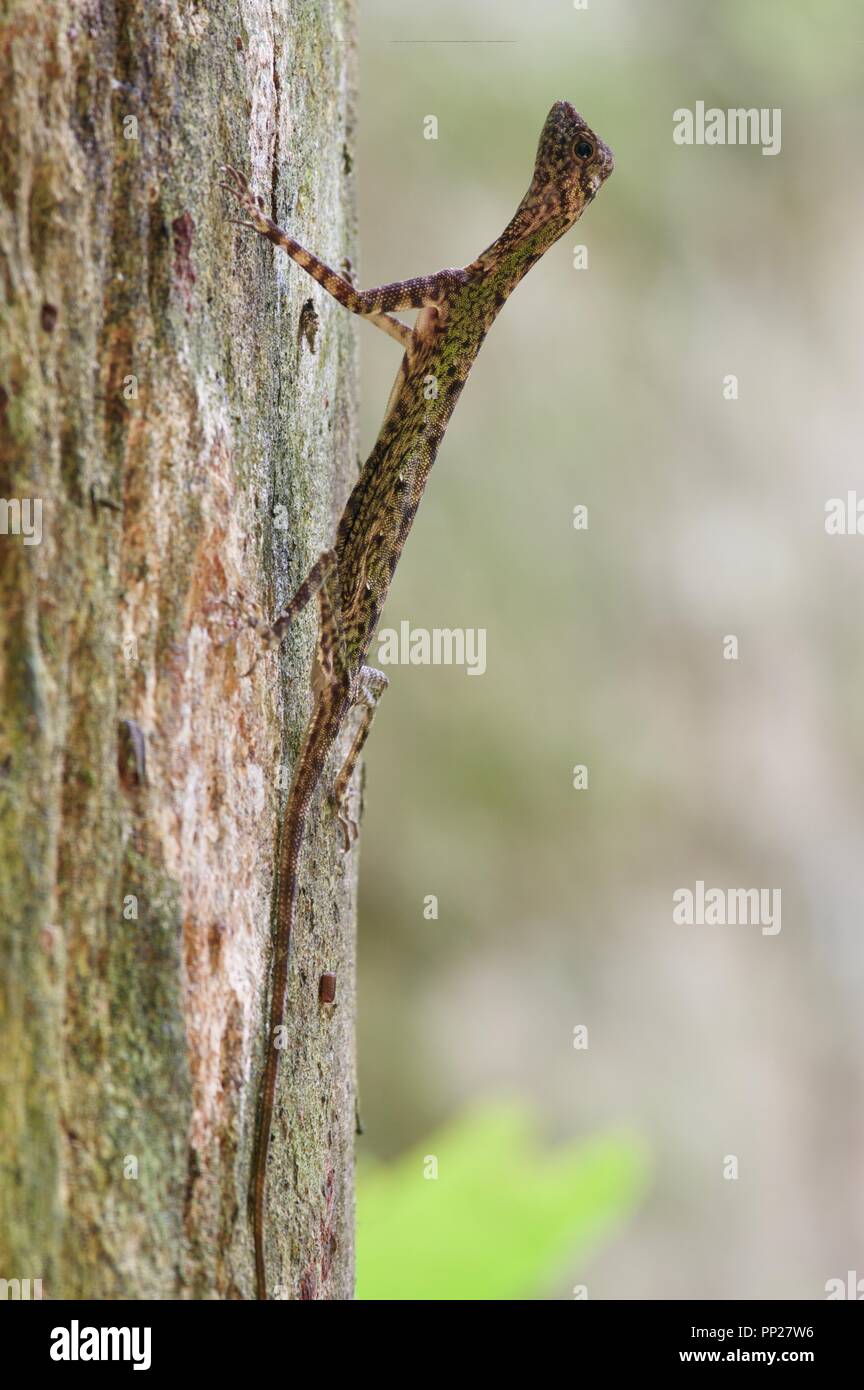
x,y
271,634
375,304
369,686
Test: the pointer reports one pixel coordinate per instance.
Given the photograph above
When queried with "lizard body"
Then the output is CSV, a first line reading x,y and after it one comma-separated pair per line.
x,y
351,580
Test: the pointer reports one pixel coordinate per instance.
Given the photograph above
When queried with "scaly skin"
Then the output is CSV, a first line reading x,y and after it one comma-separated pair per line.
x,y
457,308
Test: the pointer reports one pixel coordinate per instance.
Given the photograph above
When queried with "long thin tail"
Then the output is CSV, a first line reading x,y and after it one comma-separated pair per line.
x,y
322,730
289,856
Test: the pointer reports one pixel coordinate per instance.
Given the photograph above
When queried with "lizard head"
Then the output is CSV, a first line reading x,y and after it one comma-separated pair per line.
x,y
572,165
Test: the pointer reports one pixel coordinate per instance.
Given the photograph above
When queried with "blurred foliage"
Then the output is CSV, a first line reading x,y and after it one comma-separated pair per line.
x,y
502,1216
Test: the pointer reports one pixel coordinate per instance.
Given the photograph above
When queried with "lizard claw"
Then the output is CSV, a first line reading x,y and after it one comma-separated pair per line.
x,y
350,828
248,202
240,616
266,646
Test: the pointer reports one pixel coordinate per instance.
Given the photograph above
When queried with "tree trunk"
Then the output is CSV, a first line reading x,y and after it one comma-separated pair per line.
x,y
178,400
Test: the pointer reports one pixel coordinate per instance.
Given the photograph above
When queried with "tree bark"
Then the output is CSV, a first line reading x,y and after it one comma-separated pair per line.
x,y
180,401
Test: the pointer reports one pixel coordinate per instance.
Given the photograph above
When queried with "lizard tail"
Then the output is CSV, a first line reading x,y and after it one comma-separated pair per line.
x,y
289,856
320,736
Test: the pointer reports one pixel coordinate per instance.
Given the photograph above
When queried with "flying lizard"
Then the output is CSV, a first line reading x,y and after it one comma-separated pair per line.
x,y
350,580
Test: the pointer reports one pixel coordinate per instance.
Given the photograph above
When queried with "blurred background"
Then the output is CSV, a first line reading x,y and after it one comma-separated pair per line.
x,y
602,1168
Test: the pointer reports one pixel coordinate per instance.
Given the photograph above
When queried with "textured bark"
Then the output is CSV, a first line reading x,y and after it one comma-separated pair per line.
x,y
181,399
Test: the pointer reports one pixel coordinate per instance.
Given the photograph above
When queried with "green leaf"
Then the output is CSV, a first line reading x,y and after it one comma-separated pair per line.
x,y
502,1216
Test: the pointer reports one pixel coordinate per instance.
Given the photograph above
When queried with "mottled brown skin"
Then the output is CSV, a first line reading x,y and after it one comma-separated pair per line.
x,y
457,308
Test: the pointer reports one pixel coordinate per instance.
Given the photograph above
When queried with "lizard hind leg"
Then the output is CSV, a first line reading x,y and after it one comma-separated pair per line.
x,y
369,686
333,695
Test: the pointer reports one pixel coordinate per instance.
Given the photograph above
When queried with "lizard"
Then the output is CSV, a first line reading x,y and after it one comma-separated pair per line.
x,y
350,580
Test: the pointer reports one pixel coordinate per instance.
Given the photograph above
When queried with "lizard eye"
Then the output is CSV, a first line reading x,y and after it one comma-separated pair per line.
x,y
584,149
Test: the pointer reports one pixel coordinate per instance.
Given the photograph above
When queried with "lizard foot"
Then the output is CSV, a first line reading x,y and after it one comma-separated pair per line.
x,y
236,613
239,615
248,203
350,828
